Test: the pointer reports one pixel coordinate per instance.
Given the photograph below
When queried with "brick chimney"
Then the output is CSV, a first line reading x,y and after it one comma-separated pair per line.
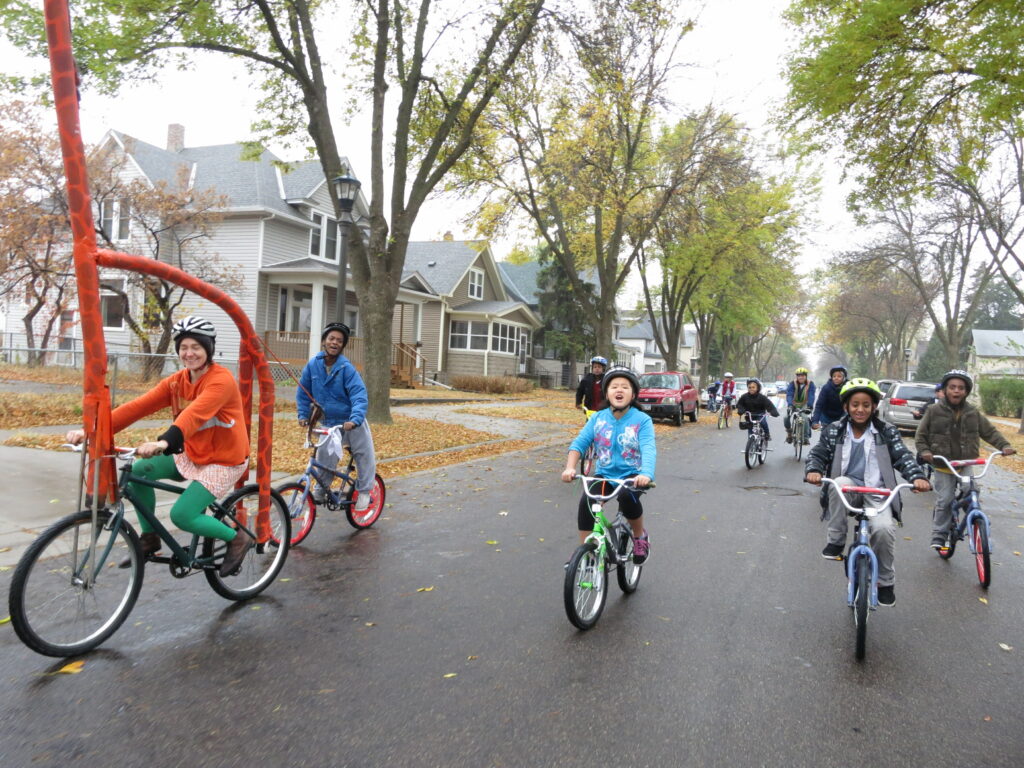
x,y
175,137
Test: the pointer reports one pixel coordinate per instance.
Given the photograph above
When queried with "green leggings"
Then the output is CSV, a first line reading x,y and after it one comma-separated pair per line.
x,y
189,511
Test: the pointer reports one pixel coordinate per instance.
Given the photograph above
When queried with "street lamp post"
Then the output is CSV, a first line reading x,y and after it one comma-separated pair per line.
x,y
906,368
346,187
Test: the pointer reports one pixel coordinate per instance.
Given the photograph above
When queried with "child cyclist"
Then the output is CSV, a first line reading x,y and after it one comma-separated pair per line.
x,y
755,404
829,405
624,438
799,395
953,428
861,449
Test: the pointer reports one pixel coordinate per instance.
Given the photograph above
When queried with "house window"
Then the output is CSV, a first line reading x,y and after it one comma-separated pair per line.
x,y
315,234
113,306
114,219
466,334
66,340
505,338
331,241
352,321
476,283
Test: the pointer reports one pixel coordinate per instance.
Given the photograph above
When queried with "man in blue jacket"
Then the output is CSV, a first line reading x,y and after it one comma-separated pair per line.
x,y
335,384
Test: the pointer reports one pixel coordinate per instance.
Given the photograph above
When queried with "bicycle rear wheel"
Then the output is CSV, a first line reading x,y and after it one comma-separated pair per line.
x,y
861,602
586,586
52,610
368,516
263,561
627,572
979,536
301,510
750,452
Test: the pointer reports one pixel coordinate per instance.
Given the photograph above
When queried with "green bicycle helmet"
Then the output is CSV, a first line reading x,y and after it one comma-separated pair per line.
x,y
860,385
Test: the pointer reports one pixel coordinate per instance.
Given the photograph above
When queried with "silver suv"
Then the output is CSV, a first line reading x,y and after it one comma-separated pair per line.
x,y
902,400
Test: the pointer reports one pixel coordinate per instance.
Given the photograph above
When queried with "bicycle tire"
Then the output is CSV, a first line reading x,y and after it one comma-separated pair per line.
x,y
861,603
750,451
627,572
37,586
762,450
263,561
982,560
722,424
951,537
586,586
368,516
301,510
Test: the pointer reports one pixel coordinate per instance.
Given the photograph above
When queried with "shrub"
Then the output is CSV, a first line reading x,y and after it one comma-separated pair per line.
x,y
494,385
1001,396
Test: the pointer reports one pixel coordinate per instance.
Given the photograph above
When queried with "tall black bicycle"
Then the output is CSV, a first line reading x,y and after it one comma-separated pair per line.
x,y
68,595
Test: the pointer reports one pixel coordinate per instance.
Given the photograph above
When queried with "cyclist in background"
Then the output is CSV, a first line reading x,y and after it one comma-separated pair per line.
x,y
337,387
862,450
207,443
829,405
953,428
755,404
624,437
799,395
713,394
588,393
727,392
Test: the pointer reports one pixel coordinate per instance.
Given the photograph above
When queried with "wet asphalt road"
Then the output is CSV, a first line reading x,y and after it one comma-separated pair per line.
x,y
736,650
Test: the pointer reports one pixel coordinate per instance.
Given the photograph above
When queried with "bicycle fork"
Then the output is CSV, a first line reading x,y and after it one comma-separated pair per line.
x,y
862,548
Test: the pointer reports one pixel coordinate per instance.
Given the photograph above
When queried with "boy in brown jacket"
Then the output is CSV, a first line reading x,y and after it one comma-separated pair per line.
x,y
953,428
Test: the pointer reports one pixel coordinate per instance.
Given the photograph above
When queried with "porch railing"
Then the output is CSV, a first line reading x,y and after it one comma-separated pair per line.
x,y
293,347
407,362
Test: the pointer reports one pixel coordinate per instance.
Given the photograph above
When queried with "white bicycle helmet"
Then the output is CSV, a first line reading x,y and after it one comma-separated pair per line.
x,y
198,328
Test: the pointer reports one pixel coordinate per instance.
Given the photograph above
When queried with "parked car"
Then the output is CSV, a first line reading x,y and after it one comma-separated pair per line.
x,y
669,395
884,384
901,401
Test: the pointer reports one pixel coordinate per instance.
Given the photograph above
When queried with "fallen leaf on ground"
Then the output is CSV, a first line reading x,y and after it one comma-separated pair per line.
x,y
4,621
987,718
371,624
71,669
984,600
490,543
425,589
472,658
451,674
1006,647
5,549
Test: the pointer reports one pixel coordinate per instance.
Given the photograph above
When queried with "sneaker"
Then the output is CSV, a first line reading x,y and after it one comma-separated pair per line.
x,y
938,542
641,549
887,595
319,495
806,441
789,438
362,502
832,552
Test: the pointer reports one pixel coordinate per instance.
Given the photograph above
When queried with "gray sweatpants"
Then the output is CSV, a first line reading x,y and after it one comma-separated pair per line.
x,y
882,530
944,484
361,442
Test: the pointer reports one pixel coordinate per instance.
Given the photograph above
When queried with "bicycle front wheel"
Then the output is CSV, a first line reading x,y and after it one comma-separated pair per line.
x,y
586,586
301,510
627,572
263,561
762,450
368,516
979,536
55,610
861,603
750,452
721,418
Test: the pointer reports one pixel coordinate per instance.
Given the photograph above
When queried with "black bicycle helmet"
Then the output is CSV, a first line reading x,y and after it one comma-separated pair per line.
x,y
620,372
341,328
958,373
755,380
834,368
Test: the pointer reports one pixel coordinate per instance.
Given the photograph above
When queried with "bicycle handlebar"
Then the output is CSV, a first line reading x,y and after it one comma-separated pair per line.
x,y
627,482
121,453
953,465
890,493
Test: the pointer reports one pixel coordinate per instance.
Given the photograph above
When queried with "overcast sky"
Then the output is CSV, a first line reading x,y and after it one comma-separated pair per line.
x,y
733,58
